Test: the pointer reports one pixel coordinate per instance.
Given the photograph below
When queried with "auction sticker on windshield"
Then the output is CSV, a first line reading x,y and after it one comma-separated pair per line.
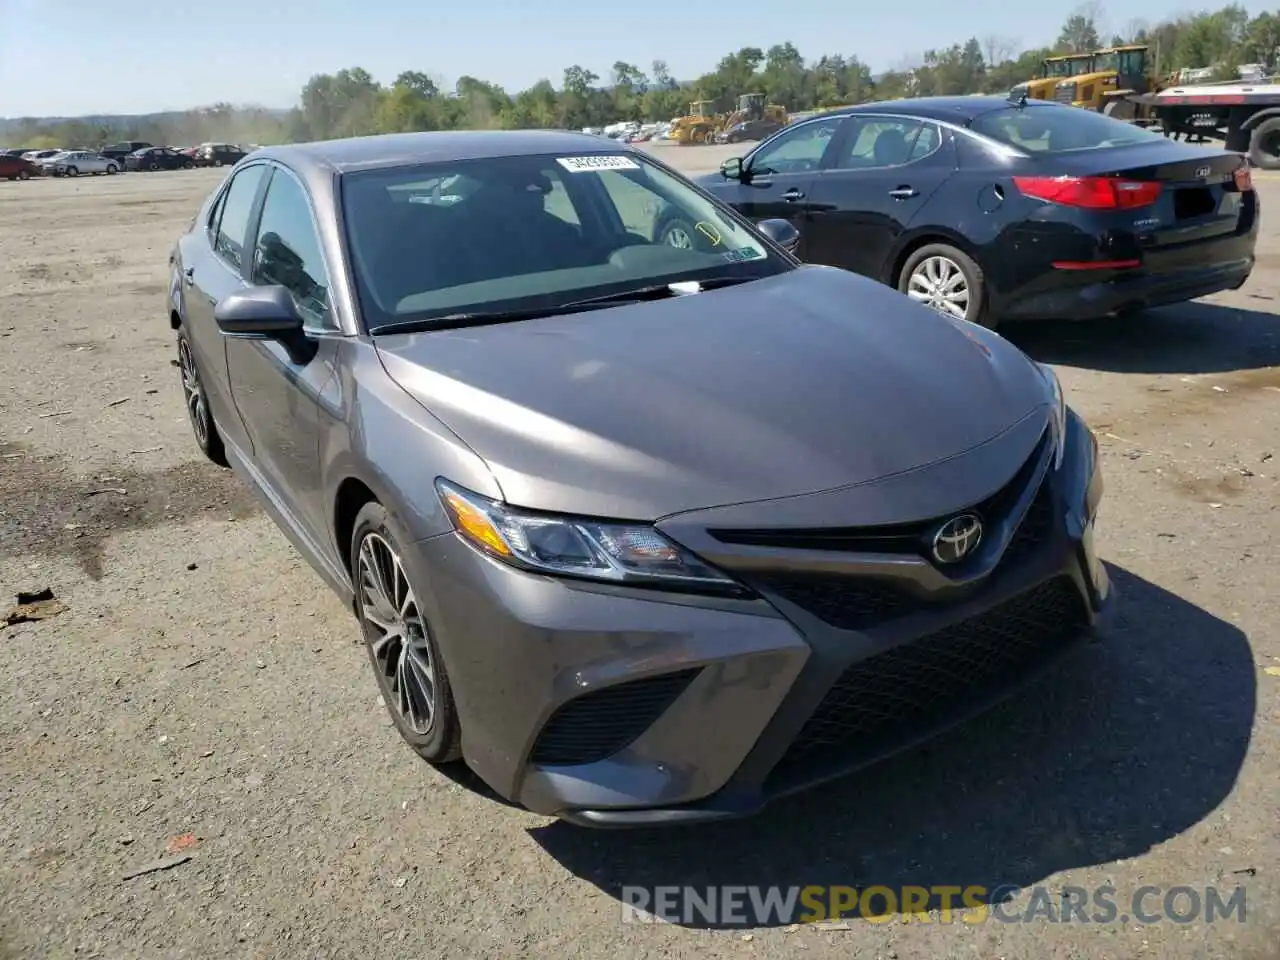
x,y
590,164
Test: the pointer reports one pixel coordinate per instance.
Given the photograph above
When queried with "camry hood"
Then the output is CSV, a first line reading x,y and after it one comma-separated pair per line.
x,y
806,381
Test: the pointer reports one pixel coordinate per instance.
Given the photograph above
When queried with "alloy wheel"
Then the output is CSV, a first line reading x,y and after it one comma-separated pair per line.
x,y
677,236
397,633
193,393
939,283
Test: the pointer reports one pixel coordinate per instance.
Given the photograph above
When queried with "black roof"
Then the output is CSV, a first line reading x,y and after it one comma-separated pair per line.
x,y
948,109
398,149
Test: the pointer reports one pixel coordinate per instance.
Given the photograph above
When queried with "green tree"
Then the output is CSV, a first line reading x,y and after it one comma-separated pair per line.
x,y
1079,33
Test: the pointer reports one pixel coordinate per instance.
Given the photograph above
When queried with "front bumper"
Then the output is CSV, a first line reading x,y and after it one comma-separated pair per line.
x,y
614,707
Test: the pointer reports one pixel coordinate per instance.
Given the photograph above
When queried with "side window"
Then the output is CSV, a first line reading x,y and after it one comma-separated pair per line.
x,y
795,151
637,205
877,142
215,212
288,250
233,223
928,140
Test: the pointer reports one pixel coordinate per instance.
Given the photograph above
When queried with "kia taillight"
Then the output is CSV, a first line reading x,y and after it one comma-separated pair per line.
x,y
1091,193
1244,179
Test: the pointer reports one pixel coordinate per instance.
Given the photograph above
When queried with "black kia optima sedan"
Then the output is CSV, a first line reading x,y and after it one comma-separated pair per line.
x,y
991,209
644,534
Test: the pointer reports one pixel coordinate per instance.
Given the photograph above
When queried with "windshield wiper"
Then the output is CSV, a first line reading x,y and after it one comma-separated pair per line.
x,y
660,291
479,318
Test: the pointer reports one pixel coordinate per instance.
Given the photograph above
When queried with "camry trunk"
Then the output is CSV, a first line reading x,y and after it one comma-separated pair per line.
x,y
803,382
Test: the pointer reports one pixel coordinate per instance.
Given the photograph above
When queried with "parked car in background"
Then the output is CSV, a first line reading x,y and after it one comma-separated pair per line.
x,y
158,158
992,210
843,522
218,155
17,168
750,130
73,163
120,151
36,156
15,151
48,164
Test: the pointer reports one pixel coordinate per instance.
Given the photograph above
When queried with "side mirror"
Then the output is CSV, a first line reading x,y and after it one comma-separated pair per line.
x,y
781,232
732,169
258,312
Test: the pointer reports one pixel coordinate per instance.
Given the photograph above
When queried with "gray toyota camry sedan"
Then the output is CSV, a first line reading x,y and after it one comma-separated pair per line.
x,y
645,529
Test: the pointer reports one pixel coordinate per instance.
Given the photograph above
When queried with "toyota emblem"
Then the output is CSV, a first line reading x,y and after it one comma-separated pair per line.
x,y
1203,173
957,538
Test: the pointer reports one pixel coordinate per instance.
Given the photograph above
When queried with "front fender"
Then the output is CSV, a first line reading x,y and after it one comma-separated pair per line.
x,y
385,439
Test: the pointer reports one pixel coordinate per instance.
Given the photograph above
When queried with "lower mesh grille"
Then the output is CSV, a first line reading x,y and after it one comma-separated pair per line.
x,y
903,693
597,725
849,603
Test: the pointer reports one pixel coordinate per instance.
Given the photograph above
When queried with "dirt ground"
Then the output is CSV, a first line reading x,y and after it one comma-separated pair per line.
x,y
201,692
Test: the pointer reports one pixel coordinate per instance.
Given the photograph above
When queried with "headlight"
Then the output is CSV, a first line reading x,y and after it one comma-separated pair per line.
x,y
575,547
1058,423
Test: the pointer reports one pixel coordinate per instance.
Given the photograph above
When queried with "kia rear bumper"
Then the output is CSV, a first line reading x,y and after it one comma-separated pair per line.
x,y
1088,295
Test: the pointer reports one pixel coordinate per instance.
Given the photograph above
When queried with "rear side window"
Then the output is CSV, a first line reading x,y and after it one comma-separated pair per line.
x,y
233,224
876,142
1059,129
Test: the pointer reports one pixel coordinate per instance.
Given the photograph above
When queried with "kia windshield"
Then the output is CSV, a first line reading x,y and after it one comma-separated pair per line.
x,y
527,234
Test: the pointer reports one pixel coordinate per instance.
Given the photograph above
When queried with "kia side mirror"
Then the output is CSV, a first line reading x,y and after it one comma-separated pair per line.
x,y
732,169
781,232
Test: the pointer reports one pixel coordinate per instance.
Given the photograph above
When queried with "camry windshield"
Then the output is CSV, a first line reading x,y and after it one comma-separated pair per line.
x,y
1059,129
534,233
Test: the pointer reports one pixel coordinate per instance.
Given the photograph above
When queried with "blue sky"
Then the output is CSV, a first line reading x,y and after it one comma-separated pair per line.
x,y
71,57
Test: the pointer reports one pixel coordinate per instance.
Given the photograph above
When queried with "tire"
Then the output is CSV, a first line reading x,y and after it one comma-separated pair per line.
x,y
153,166
73,172
217,163
24,174
197,403
111,169
1264,144
377,544
187,164
677,232
946,262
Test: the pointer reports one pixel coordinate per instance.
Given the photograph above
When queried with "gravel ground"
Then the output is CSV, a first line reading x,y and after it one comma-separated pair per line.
x,y
201,692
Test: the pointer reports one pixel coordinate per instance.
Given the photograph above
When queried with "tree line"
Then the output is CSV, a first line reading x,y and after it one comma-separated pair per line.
x,y
351,102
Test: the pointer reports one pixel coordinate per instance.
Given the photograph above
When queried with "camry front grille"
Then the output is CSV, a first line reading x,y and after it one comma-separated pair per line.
x,y
861,602
890,538
896,697
597,725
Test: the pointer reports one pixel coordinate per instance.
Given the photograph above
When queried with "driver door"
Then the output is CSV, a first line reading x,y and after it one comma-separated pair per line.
x,y
779,175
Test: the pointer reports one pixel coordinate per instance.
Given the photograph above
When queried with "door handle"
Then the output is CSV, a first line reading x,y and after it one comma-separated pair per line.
x,y
904,193
792,195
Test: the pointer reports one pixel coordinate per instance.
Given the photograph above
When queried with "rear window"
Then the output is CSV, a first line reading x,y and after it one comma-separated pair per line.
x,y
1054,129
